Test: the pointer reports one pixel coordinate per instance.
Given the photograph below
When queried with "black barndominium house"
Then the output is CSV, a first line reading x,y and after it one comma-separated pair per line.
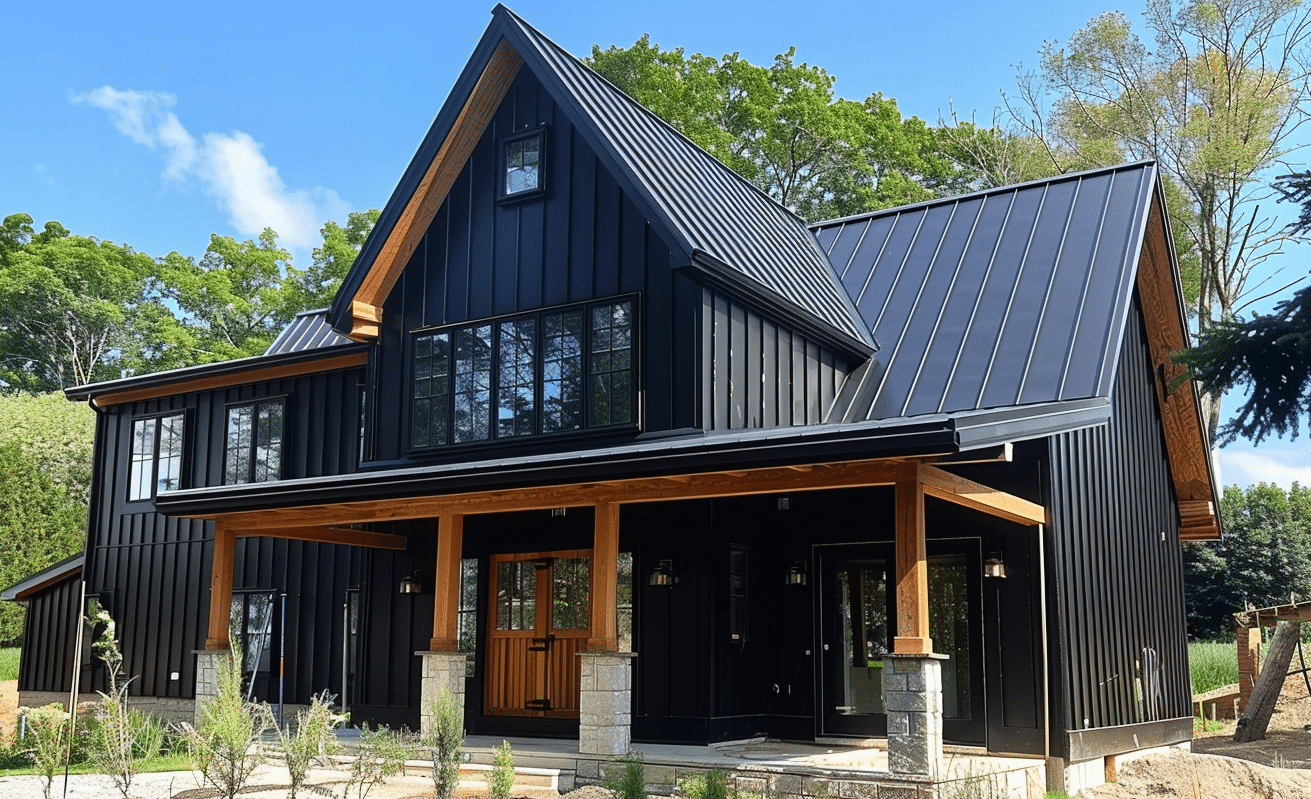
x,y
602,439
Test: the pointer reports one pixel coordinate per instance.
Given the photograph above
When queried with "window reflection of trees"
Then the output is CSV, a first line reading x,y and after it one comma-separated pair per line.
x,y
571,583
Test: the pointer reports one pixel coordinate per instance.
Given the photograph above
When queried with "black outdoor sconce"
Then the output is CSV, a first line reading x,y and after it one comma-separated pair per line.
x,y
796,574
412,584
994,566
662,574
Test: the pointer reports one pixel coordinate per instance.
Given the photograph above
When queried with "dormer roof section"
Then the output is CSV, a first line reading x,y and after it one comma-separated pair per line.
x,y
717,223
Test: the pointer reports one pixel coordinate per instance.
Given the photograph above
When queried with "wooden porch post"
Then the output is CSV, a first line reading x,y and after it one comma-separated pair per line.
x,y
446,584
1248,640
220,586
605,580
912,636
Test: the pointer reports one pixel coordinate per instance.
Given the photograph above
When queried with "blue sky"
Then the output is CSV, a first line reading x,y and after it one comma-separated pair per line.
x,y
157,124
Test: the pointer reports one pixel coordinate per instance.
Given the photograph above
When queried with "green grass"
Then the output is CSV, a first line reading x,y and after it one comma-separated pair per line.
x,y
1212,664
9,663
172,762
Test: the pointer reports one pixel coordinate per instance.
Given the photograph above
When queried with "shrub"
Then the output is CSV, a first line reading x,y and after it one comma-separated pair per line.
x,y
47,741
711,785
445,739
382,753
626,776
112,746
313,741
501,778
222,744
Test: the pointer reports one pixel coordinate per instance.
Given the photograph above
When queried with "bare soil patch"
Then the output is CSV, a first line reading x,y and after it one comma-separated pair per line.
x,y
1279,766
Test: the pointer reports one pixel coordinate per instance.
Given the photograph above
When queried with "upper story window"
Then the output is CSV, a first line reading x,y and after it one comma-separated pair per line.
x,y
521,164
254,443
156,465
546,372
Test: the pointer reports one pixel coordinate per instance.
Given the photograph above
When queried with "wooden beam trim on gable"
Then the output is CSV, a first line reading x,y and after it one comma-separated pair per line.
x,y
297,369
410,228
1176,398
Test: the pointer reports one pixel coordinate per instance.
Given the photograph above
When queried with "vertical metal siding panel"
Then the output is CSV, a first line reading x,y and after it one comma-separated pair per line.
x,y
737,365
769,379
814,413
532,252
559,203
755,409
582,241
828,381
459,247
482,232
606,270
433,263
632,251
657,346
507,222
721,393
800,386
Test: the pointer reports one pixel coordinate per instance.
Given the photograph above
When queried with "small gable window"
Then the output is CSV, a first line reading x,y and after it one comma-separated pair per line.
x,y
553,371
522,156
254,444
156,456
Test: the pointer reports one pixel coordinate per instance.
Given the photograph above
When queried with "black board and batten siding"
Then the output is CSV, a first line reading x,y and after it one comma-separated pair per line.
x,y
583,239
758,373
1116,573
153,572
49,644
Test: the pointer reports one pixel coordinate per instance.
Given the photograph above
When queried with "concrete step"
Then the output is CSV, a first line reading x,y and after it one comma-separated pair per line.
x,y
528,780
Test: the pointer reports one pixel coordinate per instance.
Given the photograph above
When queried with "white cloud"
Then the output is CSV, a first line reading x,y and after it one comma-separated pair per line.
x,y
1274,464
229,166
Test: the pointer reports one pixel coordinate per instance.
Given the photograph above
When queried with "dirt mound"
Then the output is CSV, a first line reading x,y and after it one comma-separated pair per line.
x,y
8,709
1183,774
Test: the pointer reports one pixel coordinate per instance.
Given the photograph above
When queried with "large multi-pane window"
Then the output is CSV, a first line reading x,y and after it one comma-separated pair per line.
x,y
254,445
547,372
156,465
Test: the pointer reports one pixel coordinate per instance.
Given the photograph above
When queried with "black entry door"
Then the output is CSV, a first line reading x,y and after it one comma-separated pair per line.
x,y
858,618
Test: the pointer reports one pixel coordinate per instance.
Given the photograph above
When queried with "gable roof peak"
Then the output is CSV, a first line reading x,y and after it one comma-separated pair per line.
x,y
695,202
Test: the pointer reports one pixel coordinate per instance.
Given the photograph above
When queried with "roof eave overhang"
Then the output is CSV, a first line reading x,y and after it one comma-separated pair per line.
x,y
218,375
28,587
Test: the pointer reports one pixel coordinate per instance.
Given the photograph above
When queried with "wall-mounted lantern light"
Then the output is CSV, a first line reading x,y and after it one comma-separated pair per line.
x,y
994,566
662,574
796,574
412,584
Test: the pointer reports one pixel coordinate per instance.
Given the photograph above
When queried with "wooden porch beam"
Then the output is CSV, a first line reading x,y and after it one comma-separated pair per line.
x,y
912,564
332,535
220,588
976,496
605,580
446,599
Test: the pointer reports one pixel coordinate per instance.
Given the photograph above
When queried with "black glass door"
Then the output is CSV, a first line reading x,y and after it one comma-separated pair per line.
x,y
857,624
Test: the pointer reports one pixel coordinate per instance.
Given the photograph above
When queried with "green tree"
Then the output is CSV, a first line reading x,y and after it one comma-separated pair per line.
x,y
1264,559
316,286
1216,102
67,305
781,127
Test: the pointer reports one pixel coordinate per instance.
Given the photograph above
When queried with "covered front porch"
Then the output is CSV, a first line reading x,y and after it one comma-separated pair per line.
x,y
911,672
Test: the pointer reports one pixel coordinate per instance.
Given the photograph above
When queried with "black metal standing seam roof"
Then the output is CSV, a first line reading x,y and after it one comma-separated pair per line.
x,y
308,331
711,208
1002,298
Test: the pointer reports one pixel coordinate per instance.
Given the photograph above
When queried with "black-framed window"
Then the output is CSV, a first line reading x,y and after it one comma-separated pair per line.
x,y
156,465
254,443
552,371
523,156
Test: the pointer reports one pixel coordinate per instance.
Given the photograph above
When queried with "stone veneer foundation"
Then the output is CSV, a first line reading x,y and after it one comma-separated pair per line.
x,y
605,706
912,696
441,671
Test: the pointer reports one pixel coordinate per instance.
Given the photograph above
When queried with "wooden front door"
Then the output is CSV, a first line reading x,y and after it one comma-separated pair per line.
x,y
538,620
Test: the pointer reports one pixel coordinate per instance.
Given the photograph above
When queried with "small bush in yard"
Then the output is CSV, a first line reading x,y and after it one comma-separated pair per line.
x,y
501,778
222,744
711,785
382,754
113,745
626,776
313,742
444,741
47,741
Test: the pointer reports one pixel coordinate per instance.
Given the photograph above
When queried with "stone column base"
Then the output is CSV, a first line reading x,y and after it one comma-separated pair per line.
x,y
912,696
605,703
442,671
208,662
